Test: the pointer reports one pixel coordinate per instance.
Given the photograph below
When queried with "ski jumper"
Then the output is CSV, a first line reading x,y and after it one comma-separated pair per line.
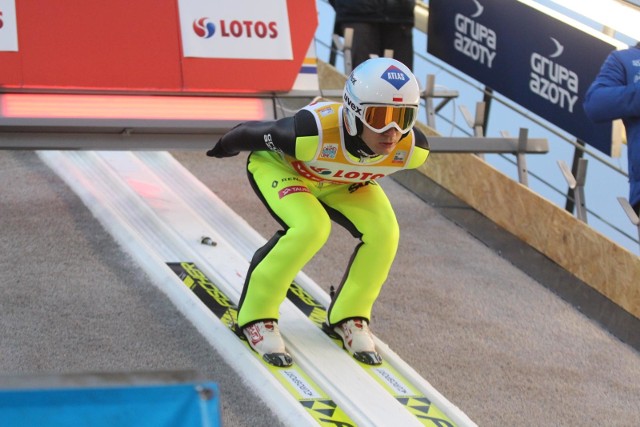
x,y
308,172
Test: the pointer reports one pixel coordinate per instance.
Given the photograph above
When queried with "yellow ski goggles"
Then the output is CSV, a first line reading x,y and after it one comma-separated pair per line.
x,y
380,118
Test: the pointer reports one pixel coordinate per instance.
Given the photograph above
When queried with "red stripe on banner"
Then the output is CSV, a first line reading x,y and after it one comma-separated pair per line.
x,y
131,107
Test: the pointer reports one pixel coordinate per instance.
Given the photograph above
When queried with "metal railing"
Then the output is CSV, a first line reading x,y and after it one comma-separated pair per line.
x,y
556,183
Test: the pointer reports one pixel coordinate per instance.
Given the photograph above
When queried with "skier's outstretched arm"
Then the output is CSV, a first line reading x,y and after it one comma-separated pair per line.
x,y
278,135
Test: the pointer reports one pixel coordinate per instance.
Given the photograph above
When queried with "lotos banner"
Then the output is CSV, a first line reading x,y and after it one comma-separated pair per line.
x,y
249,29
8,27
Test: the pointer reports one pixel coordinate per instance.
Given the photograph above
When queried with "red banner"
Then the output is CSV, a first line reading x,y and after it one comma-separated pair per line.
x,y
135,46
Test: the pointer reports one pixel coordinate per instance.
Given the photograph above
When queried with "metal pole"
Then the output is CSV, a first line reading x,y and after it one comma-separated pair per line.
x,y
487,98
578,153
429,90
581,178
633,216
348,43
523,175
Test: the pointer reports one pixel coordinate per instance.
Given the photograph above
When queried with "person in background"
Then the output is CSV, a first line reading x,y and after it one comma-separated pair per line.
x,y
615,94
320,165
377,25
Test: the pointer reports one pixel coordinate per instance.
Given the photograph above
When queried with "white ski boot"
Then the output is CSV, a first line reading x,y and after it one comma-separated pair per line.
x,y
358,340
265,339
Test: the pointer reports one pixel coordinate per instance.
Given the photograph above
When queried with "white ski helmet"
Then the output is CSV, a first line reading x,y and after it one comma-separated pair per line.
x,y
381,93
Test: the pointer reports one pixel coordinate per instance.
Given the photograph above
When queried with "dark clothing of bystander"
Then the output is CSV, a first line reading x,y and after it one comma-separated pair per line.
x,y
377,25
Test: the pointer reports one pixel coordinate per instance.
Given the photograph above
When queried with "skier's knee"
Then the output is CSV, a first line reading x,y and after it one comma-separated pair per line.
x,y
313,232
383,234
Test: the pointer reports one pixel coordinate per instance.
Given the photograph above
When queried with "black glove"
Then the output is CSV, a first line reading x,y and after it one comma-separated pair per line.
x,y
219,152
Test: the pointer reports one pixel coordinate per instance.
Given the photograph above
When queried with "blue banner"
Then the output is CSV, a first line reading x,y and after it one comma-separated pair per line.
x,y
535,60
135,406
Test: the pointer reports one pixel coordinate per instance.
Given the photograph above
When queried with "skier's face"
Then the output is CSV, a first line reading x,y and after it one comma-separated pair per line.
x,y
381,143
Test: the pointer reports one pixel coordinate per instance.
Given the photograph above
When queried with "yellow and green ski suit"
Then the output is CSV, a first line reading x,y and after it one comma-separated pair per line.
x,y
309,172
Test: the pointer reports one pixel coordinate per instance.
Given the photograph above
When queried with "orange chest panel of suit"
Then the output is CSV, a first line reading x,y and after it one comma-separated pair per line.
x,y
331,161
